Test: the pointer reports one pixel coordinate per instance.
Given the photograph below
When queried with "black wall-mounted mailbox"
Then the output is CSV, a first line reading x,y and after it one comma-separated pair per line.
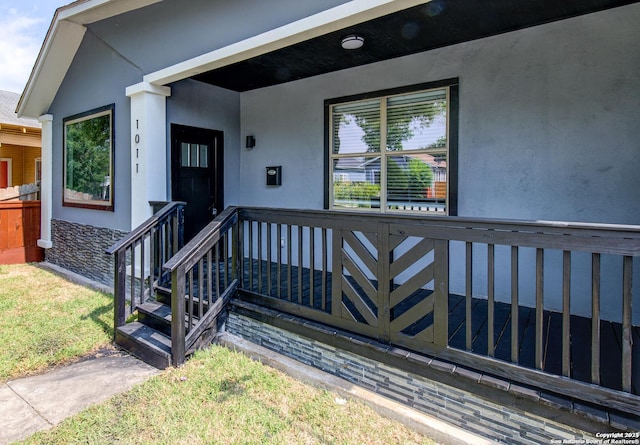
x,y
274,175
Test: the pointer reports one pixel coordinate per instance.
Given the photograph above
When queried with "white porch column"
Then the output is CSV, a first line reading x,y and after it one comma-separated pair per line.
x,y
148,148
46,187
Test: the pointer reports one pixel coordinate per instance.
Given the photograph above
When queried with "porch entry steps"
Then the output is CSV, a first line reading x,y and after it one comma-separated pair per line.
x,y
146,343
153,328
176,291
149,338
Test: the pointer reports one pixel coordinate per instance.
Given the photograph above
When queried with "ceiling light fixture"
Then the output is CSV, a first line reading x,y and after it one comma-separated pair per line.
x,y
352,42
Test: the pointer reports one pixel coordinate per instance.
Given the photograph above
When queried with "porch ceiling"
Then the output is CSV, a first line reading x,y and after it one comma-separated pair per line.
x,y
429,26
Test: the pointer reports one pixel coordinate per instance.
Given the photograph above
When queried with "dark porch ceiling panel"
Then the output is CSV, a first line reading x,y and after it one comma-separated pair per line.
x,y
433,25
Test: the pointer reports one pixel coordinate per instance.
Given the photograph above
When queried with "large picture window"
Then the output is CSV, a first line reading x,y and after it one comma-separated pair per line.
x,y
394,151
88,159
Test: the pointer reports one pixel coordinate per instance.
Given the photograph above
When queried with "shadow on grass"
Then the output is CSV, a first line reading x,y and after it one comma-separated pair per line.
x,y
232,388
95,315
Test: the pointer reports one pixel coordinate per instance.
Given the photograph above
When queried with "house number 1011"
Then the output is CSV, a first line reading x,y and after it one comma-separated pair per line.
x,y
137,141
137,137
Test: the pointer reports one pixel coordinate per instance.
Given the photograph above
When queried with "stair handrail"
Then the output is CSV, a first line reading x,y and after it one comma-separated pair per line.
x,y
203,241
179,265
172,210
136,233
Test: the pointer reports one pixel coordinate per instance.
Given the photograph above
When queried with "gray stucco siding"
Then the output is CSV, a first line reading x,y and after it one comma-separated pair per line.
x,y
547,117
98,76
117,52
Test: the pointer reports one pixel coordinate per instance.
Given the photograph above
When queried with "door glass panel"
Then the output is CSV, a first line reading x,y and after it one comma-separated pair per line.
x,y
204,161
184,155
194,155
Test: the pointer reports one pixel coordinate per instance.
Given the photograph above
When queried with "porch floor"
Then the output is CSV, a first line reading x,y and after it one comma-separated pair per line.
x,y
580,332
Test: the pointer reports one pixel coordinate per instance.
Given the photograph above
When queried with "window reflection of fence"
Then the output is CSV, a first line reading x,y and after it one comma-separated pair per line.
x,y
25,192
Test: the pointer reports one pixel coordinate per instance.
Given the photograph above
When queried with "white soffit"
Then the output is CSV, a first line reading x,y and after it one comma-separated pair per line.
x,y
334,19
59,48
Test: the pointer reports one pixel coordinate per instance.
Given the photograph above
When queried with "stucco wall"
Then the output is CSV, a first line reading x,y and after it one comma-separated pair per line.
x,y
548,115
98,77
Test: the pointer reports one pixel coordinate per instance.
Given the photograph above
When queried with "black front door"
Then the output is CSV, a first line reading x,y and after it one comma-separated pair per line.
x,y
196,175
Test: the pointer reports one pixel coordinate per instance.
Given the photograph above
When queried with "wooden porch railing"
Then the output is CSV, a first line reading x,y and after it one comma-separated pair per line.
x,y
437,286
203,280
139,258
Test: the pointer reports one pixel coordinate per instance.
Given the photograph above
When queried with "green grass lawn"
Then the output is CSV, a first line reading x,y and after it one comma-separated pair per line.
x,y
224,397
46,320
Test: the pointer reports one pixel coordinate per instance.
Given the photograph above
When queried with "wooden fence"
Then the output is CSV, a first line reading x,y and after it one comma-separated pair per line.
x,y
19,232
25,192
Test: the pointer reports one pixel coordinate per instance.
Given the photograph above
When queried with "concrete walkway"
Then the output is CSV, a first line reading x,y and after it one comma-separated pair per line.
x,y
31,404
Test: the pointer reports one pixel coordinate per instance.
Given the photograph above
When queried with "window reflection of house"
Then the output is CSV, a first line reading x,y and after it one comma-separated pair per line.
x,y
350,170
361,170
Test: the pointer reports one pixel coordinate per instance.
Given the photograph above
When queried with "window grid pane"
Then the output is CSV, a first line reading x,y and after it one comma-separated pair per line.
x,y
356,182
193,149
416,183
416,125
356,128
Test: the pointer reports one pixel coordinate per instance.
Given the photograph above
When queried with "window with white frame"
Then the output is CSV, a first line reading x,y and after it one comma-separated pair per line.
x,y
394,151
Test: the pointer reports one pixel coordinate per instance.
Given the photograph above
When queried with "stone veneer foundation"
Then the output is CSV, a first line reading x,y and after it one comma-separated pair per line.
x,y
501,422
81,249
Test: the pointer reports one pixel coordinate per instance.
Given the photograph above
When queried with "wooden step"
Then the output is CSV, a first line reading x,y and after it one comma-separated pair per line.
x,y
158,316
155,315
146,343
163,295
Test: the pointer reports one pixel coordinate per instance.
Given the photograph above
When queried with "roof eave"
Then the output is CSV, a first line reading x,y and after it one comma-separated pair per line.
x,y
61,43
